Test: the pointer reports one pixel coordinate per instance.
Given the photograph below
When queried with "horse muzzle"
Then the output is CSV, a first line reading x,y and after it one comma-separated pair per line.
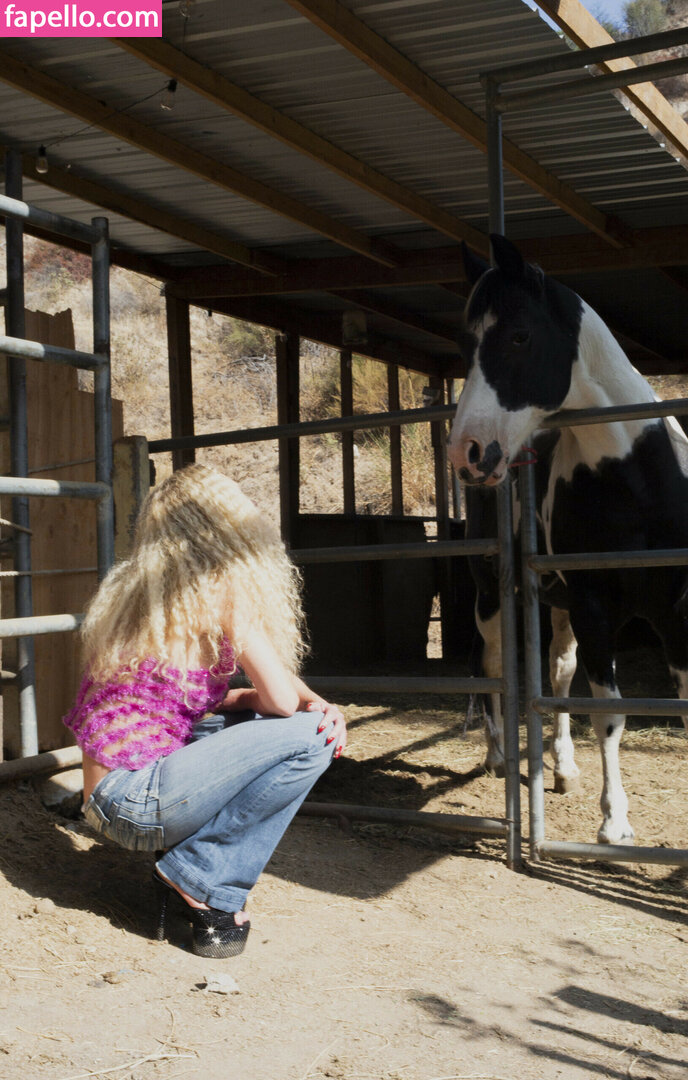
x,y
478,464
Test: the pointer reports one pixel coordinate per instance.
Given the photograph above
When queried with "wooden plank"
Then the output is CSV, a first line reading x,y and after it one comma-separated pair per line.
x,y
218,89
181,383
61,446
347,437
584,29
337,21
395,464
288,411
32,81
658,246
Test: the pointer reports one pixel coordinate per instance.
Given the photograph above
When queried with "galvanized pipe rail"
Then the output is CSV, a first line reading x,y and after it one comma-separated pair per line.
x,y
19,485
367,421
537,704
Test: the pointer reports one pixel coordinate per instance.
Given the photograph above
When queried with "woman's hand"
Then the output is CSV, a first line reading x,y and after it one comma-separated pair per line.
x,y
334,717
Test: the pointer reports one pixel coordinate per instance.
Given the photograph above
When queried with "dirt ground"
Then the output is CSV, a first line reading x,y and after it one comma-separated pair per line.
x,y
375,953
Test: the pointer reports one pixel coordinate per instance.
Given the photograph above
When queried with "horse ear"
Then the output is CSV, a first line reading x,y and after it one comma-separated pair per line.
x,y
507,257
473,265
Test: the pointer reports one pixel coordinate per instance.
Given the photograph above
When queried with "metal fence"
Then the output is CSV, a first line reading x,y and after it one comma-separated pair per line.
x,y
14,345
496,103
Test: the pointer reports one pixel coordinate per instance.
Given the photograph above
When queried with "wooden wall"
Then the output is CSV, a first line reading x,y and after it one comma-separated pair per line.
x,y
61,447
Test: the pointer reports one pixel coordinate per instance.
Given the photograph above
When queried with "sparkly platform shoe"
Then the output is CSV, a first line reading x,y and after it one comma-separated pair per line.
x,y
214,933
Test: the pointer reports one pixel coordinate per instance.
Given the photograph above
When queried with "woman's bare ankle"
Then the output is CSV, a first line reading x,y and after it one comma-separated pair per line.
x,y
190,900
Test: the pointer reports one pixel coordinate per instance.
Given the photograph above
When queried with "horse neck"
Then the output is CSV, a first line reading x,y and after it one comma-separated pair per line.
x,y
603,376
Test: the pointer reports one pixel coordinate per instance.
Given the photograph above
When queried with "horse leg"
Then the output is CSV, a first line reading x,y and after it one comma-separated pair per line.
x,y
491,633
593,628
562,668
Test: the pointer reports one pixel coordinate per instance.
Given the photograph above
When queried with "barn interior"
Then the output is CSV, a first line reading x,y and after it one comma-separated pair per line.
x,y
314,166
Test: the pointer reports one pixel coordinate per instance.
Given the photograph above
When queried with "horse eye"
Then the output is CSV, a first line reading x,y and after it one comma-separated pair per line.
x,y
521,337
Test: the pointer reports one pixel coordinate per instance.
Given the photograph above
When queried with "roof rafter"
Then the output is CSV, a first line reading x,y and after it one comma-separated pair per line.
x,y
218,89
400,314
337,21
31,80
327,329
557,255
136,209
585,30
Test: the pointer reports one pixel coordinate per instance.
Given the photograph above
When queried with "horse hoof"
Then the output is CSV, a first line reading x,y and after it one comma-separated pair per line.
x,y
564,785
626,838
498,772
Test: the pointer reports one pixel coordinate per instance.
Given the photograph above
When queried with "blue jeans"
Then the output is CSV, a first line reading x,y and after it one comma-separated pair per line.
x,y
220,805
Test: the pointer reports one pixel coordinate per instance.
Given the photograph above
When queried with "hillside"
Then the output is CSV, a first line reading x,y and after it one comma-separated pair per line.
x,y
234,386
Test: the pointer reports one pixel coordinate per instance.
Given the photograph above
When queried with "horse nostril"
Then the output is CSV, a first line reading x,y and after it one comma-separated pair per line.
x,y
474,453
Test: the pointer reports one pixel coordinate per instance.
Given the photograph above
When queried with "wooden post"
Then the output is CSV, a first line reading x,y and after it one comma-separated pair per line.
x,y
130,483
395,441
439,448
181,389
287,355
347,396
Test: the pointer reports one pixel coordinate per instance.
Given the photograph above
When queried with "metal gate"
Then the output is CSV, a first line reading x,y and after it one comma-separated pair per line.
x,y
496,104
19,485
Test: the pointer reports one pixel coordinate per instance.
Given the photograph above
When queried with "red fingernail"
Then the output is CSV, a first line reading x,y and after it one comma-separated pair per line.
x,y
338,753
331,739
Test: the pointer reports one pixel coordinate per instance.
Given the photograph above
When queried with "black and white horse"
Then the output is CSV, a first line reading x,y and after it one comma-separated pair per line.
x,y
534,347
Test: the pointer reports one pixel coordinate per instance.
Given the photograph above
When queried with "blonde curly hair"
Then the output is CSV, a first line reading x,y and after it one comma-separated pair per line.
x,y
205,564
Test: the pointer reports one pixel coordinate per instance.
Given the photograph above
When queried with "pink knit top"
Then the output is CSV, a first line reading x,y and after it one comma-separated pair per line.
x,y
146,713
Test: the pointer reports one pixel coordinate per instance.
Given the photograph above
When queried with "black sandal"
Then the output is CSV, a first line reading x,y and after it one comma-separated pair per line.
x,y
215,933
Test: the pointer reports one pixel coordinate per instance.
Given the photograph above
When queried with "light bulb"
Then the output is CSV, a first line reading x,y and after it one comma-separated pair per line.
x,y
186,8
42,160
168,99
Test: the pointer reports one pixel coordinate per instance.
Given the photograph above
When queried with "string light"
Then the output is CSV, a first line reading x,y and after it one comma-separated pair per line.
x,y
42,160
186,8
168,99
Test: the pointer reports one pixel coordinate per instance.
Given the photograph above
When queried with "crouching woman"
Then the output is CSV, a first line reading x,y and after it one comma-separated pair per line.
x,y
174,760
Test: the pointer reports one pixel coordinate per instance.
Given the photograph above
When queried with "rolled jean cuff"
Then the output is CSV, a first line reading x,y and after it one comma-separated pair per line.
x,y
231,898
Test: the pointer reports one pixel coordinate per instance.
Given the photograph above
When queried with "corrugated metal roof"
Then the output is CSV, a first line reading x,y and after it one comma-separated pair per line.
x,y
266,47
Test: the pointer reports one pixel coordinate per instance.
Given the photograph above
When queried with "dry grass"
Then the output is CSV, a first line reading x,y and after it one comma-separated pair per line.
x,y
234,386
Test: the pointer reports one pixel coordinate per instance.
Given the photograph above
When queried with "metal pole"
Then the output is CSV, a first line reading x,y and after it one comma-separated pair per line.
x,y
509,674
100,258
618,80
533,659
19,460
451,823
507,585
296,430
495,171
619,50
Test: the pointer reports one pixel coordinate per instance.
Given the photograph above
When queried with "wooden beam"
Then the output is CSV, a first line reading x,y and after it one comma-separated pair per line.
x,y
67,99
118,202
426,324
181,386
227,95
395,462
662,246
584,29
347,437
343,26
288,412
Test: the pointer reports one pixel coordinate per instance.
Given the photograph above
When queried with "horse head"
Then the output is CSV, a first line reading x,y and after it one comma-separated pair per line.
x,y
520,341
